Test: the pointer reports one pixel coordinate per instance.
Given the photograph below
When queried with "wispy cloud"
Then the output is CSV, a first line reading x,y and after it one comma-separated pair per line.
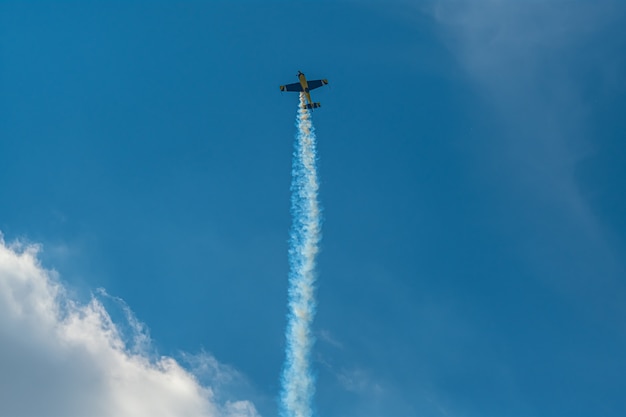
x,y
359,381
518,55
63,358
533,63
325,336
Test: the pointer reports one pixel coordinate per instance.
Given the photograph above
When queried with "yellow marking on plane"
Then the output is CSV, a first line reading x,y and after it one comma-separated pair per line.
x,y
305,86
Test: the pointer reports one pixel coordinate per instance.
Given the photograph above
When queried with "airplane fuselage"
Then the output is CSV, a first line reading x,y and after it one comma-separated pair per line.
x,y
305,87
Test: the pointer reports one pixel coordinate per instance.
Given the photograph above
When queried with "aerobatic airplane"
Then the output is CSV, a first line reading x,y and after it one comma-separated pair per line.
x,y
305,86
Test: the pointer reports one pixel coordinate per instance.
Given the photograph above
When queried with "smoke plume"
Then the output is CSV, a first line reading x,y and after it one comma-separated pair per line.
x,y
298,382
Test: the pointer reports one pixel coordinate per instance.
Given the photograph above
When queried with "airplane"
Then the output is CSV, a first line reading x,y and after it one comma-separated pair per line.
x,y
305,86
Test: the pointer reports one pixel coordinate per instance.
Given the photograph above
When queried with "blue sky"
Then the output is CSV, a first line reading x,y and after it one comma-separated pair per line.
x,y
472,167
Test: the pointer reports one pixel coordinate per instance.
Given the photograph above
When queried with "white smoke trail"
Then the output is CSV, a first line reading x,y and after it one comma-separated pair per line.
x,y
297,380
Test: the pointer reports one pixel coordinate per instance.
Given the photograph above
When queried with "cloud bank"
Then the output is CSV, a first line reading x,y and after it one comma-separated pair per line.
x,y
62,358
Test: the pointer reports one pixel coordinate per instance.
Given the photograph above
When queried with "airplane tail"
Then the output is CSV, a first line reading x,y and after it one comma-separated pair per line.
x,y
311,106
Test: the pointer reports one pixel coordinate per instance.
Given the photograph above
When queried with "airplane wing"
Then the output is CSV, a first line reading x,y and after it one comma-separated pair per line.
x,y
316,84
291,87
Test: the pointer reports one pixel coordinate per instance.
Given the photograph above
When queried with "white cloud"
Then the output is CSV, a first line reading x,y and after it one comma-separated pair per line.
x,y
59,357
